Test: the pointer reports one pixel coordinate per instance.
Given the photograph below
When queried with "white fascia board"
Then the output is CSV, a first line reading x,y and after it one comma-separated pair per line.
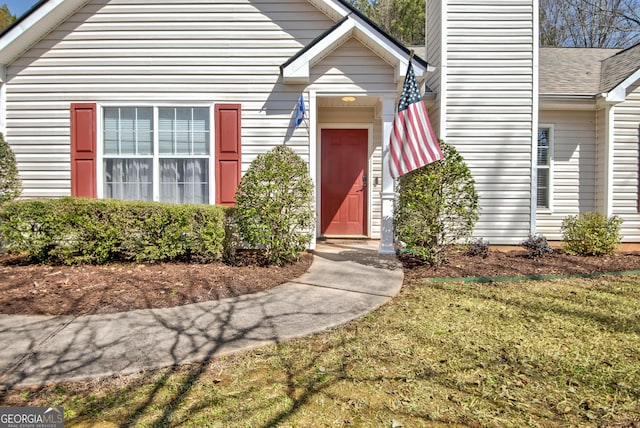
x,y
35,26
619,93
298,71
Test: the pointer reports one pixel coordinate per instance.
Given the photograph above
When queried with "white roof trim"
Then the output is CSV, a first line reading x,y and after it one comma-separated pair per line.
x,y
34,26
619,93
297,71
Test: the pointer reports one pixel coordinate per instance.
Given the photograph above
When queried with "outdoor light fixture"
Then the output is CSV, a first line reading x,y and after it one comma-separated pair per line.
x,y
348,99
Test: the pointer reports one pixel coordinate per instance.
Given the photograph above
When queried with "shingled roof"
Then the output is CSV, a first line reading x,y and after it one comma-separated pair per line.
x,y
572,71
618,67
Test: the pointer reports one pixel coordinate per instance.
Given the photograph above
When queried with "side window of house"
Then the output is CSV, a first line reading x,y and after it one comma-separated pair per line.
x,y
545,151
157,153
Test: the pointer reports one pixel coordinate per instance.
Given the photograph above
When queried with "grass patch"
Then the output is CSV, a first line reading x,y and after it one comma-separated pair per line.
x,y
551,353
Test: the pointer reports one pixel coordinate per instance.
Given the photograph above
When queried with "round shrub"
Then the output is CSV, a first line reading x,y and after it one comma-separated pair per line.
x,y
478,247
9,182
591,234
274,211
437,207
536,246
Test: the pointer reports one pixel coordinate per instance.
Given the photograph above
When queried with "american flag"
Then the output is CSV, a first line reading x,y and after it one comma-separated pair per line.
x,y
413,143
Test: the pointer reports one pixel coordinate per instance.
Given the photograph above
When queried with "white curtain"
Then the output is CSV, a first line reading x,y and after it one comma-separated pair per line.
x,y
184,181
129,179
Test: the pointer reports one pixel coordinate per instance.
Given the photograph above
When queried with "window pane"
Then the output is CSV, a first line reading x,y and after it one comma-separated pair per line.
x,y
543,146
543,188
128,179
111,127
200,131
183,144
184,130
128,130
144,131
184,181
166,118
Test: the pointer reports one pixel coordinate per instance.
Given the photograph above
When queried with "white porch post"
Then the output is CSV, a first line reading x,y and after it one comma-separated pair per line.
x,y
609,154
388,191
313,161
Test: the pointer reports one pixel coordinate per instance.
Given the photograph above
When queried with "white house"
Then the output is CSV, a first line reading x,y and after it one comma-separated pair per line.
x,y
546,132
590,114
171,100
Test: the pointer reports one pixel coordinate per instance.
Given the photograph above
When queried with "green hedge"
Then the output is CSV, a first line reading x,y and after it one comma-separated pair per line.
x,y
76,230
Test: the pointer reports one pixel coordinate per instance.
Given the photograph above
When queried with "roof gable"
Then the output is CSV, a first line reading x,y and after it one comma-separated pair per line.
x,y
619,67
297,69
619,72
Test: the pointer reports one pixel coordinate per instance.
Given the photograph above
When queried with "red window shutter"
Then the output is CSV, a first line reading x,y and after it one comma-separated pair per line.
x,y
228,152
83,150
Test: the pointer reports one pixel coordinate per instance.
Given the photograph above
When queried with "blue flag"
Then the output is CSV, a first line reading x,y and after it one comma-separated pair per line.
x,y
300,111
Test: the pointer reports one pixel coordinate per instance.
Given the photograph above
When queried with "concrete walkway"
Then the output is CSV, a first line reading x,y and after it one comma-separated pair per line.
x,y
344,282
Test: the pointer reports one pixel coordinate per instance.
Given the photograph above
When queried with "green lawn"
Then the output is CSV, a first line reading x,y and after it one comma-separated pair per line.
x,y
553,353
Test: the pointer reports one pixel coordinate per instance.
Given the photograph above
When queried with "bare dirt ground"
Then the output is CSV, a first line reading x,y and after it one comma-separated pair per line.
x,y
77,290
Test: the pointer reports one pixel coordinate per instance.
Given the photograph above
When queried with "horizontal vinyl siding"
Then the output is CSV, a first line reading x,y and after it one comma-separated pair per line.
x,y
625,165
489,108
192,51
574,168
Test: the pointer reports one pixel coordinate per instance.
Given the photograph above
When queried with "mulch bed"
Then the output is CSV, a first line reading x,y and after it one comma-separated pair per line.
x,y
79,290
516,263
118,287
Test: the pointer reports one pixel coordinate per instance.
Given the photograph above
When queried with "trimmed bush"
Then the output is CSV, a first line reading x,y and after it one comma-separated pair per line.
x,y
536,246
591,234
274,211
95,231
437,207
10,185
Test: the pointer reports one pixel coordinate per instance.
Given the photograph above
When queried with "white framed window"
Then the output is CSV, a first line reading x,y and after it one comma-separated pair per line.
x,y
545,168
161,153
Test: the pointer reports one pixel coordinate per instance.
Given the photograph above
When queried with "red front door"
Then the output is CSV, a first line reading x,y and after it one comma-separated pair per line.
x,y
343,193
